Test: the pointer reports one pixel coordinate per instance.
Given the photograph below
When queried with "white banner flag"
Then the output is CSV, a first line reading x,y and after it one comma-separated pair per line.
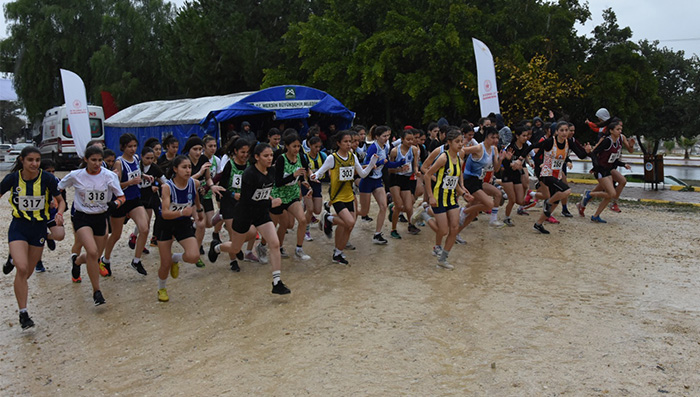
x,y
76,109
486,75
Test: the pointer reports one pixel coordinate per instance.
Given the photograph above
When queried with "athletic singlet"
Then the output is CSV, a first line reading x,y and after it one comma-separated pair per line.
x,y
213,170
408,159
608,157
181,198
30,200
483,167
130,170
342,177
553,160
317,162
382,154
236,176
446,182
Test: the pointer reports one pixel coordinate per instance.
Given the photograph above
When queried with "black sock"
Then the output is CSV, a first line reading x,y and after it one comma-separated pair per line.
x,y
215,236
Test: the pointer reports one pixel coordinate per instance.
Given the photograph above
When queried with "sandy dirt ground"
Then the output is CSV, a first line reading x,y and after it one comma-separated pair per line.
x,y
588,310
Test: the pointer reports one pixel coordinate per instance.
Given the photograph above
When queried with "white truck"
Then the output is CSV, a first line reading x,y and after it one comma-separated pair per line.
x,y
57,140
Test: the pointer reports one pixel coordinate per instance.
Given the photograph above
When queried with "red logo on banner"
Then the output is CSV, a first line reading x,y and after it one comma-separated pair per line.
x,y
488,86
76,104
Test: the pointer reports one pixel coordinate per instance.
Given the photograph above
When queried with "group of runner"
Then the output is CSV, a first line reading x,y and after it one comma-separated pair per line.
x,y
258,192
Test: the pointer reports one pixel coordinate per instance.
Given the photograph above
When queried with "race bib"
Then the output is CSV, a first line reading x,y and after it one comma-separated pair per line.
x,y
236,184
450,182
486,174
145,183
346,173
613,158
262,194
94,197
557,164
133,175
178,207
32,203
410,167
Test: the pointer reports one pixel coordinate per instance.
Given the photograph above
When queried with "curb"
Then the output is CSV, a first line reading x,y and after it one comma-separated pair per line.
x,y
650,201
679,188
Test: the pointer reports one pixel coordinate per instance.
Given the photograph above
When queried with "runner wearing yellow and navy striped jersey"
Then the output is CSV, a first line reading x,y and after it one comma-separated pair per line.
x,y
443,197
31,193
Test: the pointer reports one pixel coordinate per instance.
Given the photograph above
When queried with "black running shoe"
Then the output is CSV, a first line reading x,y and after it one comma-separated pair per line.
x,y
540,228
547,208
412,229
402,219
327,225
98,298
280,288
340,259
25,321
234,266
138,267
566,213
213,255
8,266
379,239
240,255
366,218
75,270
327,206
146,251
39,268
50,244
201,250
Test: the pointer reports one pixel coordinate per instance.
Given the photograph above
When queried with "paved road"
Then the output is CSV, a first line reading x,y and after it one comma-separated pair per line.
x,y
641,193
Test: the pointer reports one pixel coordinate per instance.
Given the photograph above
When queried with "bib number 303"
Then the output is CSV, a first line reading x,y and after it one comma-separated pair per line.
x,y
346,173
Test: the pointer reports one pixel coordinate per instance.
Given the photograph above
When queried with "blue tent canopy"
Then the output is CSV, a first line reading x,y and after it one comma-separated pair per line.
x,y
282,103
200,116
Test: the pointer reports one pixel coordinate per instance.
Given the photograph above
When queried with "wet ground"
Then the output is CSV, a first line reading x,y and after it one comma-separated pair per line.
x,y
589,310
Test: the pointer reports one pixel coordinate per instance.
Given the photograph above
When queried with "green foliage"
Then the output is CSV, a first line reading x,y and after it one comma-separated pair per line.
x,y
10,121
395,61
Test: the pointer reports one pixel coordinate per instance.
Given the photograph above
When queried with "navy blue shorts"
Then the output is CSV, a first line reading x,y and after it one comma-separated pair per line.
x,y
368,185
33,232
442,210
315,190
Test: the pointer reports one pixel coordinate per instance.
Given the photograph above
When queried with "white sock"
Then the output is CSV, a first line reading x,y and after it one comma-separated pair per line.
x,y
276,277
177,257
330,218
136,260
161,283
494,214
24,310
533,194
336,252
425,215
217,248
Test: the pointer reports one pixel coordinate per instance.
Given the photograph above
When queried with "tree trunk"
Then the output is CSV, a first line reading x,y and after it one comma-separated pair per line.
x,y
641,144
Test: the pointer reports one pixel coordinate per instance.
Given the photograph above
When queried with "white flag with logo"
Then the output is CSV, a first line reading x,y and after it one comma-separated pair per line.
x,y
76,109
486,75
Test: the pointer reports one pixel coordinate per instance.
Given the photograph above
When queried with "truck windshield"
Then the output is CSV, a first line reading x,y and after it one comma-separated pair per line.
x,y
95,128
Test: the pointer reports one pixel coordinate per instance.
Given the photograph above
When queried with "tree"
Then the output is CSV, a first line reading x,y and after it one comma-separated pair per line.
x,y
534,89
219,47
10,120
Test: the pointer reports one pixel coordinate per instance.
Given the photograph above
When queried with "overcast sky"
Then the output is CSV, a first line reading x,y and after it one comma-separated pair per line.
x,y
669,21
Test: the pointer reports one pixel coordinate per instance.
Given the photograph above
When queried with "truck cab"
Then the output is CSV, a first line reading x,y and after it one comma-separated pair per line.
x,y
57,140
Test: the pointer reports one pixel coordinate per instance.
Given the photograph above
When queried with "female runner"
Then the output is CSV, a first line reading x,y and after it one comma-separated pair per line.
x,y
128,171
253,212
237,150
180,201
606,157
290,168
443,196
31,193
372,185
94,188
342,166
513,170
313,204
403,181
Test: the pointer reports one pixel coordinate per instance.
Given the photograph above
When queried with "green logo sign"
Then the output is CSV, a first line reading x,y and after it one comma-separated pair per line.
x,y
290,93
